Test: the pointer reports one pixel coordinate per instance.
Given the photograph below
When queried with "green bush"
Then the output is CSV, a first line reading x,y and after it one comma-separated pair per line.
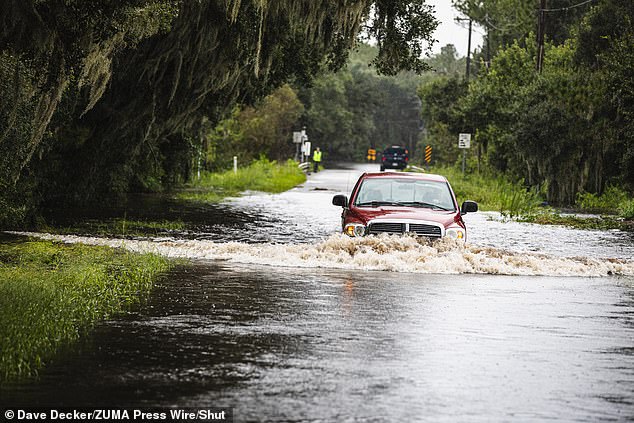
x,y
608,202
626,210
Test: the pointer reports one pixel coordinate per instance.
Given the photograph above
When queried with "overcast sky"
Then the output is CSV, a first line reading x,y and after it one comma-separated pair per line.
x,y
451,32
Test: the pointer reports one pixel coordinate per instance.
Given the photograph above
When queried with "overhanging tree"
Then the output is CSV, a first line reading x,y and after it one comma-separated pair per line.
x,y
110,86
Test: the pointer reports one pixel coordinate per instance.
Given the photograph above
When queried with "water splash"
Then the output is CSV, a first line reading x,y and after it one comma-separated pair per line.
x,y
382,253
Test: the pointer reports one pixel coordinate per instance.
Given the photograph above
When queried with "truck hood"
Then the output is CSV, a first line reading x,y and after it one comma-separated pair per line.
x,y
365,214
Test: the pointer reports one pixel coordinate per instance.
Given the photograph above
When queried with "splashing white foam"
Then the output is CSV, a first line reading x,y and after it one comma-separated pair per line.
x,y
386,253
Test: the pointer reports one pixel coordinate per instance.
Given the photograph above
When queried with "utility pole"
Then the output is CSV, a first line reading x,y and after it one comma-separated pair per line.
x,y
541,29
468,45
488,63
469,50
464,151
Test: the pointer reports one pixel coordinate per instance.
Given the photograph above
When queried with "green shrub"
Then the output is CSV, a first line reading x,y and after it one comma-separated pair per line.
x,y
626,210
608,202
614,200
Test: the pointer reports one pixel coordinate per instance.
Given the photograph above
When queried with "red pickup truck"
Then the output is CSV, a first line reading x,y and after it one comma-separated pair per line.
x,y
399,202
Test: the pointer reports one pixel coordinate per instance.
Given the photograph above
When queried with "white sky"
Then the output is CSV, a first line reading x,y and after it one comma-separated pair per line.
x,y
451,32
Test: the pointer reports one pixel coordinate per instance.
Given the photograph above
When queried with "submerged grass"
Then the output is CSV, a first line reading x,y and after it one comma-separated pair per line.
x,y
261,175
552,217
50,293
118,227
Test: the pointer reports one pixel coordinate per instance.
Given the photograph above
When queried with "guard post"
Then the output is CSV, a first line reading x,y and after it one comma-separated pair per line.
x,y
428,151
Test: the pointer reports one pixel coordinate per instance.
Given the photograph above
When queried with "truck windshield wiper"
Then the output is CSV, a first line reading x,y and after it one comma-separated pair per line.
x,y
378,203
424,204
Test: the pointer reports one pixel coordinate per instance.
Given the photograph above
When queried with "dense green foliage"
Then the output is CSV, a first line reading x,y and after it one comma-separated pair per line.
x,y
103,97
50,293
344,112
565,130
263,129
141,95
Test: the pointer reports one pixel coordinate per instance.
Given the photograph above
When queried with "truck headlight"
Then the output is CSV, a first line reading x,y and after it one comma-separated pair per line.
x,y
456,234
354,229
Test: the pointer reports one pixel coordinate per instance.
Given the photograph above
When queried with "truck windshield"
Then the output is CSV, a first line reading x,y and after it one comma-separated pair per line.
x,y
404,192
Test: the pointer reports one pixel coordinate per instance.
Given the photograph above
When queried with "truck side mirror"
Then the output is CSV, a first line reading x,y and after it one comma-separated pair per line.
x,y
340,200
469,207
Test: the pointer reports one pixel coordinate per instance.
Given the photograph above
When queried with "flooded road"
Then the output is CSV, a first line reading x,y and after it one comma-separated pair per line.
x,y
301,327
315,345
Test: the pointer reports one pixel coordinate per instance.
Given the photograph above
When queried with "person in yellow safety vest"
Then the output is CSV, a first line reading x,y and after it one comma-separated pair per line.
x,y
316,159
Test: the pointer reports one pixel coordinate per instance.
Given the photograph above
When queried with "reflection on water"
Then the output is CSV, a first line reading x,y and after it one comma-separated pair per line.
x,y
220,222
308,345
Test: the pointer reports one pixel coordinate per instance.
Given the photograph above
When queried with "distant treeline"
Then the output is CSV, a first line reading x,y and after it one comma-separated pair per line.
x,y
344,113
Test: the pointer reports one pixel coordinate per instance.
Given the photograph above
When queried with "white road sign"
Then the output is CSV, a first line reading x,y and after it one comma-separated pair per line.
x,y
464,141
306,148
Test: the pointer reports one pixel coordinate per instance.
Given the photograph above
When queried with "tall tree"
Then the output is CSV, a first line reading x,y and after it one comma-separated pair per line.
x,y
605,48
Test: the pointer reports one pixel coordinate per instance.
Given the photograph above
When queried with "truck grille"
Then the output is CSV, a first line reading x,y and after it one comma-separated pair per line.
x,y
421,229
385,227
425,230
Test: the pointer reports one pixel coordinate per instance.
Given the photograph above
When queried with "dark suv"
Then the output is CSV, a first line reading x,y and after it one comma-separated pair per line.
x,y
394,157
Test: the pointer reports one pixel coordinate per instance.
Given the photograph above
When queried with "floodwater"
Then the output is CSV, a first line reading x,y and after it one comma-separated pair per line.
x,y
523,324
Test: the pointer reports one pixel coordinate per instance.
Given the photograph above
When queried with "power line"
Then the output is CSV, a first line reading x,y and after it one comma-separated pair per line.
x,y
508,27
568,7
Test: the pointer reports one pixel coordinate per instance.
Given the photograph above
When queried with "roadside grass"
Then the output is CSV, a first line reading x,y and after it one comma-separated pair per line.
x,y
613,201
627,210
51,293
261,175
492,193
615,210
513,200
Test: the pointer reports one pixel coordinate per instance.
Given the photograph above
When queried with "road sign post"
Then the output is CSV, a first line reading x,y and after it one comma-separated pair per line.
x,y
464,142
306,150
297,140
302,146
